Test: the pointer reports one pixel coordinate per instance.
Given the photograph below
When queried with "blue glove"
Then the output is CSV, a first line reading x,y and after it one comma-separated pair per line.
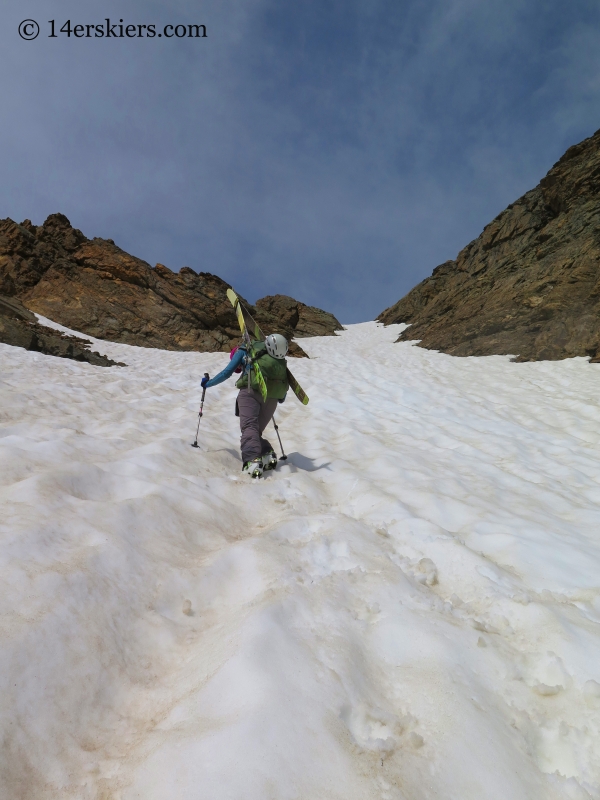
x,y
204,381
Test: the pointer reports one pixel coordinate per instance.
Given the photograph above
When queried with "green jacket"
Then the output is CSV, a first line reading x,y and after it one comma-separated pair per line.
x,y
274,371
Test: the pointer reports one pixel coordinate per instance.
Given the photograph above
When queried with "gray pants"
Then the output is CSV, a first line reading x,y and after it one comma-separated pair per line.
x,y
254,418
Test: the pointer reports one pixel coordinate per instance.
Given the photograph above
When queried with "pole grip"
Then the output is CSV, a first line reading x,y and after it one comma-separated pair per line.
x,y
206,375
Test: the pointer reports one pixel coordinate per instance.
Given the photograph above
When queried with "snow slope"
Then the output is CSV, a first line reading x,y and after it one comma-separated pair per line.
x,y
409,608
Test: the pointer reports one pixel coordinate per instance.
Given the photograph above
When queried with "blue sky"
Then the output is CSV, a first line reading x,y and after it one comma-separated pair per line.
x,y
334,151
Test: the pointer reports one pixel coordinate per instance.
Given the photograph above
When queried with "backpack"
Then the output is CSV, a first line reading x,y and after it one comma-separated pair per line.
x,y
274,371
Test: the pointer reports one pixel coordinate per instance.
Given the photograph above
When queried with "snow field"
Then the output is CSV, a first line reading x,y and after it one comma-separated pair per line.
x,y
409,608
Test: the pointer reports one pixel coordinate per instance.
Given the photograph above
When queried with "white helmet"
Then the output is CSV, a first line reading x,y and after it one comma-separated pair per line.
x,y
277,345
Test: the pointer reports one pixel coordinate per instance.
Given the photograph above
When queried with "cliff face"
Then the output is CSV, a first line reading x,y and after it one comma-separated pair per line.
x,y
530,284
94,287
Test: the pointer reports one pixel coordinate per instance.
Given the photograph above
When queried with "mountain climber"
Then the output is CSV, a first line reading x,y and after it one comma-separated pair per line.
x,y
254,413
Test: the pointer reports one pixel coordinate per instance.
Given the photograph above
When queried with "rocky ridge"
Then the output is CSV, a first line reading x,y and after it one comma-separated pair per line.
x,y
529,285
20,328
95,287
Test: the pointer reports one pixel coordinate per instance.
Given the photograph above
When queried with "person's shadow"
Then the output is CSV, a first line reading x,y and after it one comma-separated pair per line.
x,y
297,461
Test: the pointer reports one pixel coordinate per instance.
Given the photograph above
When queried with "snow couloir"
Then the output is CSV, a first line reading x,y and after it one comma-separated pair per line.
x,y
409,608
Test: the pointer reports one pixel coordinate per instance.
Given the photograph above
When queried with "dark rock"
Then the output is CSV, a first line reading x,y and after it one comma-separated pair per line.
x,y
11,307
19,327
297,318
530,284
94,287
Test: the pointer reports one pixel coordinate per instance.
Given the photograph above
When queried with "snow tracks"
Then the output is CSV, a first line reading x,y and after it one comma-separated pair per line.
x,y
408,608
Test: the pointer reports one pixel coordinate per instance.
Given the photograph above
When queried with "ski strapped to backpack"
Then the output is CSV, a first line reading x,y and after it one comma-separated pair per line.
x,y
245,321
237,306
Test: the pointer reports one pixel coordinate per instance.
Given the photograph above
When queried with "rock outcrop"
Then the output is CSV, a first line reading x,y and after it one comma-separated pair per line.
x,y
529,286
20,328
295,316
95,287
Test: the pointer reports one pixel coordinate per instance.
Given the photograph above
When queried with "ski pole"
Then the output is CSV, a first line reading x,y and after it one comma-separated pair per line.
x,y
195,443
283,455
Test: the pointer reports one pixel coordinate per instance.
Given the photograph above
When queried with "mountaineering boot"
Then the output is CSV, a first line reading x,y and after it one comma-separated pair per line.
x,y
254,467
269,461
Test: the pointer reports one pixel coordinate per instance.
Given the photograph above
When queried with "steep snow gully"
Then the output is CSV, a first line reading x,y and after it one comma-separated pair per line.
x,y
408,608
